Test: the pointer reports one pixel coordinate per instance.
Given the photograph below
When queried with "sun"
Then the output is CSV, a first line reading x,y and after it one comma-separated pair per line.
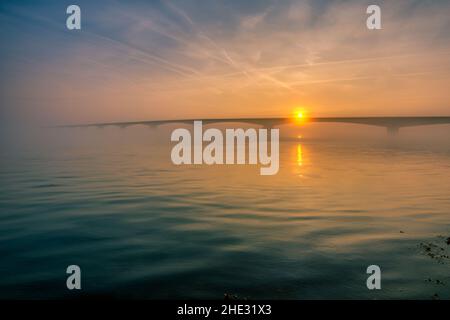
x,y
300,115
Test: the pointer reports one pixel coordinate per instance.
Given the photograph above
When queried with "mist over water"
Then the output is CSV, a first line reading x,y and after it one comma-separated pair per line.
x,y
111,201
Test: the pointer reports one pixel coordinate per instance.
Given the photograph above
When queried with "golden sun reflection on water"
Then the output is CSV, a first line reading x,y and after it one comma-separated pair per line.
x,y
299,155
299,160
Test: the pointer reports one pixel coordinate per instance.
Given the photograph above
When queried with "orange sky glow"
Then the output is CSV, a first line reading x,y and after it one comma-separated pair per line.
x,y
171,62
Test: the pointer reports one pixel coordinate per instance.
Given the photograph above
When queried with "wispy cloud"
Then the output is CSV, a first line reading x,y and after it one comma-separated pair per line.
x,y
138,60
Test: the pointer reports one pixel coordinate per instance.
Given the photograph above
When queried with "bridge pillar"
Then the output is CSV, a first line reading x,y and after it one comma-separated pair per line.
x,y
392,131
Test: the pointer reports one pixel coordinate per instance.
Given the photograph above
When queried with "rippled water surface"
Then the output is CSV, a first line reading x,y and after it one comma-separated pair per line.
x,y
140,227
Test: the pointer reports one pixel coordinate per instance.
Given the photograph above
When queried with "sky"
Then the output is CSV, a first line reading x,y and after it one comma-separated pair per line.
x,y
144,60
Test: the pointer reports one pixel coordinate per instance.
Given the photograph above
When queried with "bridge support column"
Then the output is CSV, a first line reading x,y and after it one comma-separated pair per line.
x,y
392,131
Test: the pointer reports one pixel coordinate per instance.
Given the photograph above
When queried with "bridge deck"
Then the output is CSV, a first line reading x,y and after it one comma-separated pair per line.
x,y
392,123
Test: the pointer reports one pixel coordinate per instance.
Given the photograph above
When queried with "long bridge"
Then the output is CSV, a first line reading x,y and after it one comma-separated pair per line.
x,y
392,124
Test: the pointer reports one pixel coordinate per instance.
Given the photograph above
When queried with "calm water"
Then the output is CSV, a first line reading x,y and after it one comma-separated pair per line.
x,y
140,227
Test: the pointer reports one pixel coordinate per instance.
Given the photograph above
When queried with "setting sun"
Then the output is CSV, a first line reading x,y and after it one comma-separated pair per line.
x,y
300,115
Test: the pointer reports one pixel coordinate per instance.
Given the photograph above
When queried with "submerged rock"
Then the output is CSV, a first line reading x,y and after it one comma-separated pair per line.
x,y
434,251
437,281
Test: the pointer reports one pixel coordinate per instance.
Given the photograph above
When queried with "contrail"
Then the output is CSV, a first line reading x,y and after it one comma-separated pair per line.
x,y
242,69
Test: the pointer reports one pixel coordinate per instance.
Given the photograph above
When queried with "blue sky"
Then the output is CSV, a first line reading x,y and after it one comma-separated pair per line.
x,y
166,59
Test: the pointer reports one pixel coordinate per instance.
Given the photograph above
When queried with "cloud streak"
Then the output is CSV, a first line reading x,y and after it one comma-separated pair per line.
x,y
135,60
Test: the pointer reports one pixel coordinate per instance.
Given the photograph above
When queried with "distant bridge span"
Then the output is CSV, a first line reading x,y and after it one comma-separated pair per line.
x,y
392,124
